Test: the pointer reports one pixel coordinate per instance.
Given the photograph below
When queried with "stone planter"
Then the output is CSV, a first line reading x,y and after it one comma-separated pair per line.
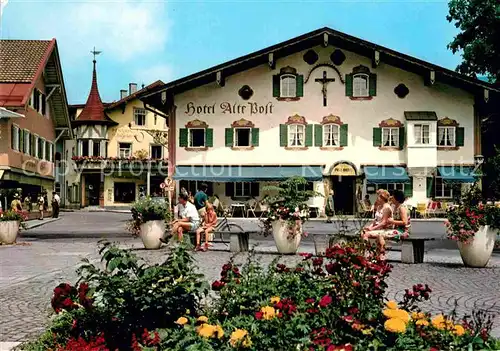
x,y
321,243
286,242
8,232
477,253
151,232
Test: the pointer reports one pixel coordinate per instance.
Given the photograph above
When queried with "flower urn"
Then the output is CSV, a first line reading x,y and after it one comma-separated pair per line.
x,y
477,252
151,232
8,232
287,235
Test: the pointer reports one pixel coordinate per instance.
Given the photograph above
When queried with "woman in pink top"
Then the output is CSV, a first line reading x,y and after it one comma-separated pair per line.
x,y
209,223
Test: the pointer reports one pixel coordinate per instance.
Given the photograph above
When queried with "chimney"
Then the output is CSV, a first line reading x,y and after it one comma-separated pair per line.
x,y
132,88
123,94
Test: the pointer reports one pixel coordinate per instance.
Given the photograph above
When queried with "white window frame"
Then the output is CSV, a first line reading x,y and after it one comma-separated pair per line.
x,y
139,112
441,187
391,186
40,102
15,136
243,193
123,151
419,139
190,139
294,131
334,135
51,152
44,146
287,89
357,89
235,138
27,142
36,146
444,131
151,151
392,133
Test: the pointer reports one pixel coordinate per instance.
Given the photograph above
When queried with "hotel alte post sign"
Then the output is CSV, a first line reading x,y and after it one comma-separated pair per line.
x,y
343,169
249,108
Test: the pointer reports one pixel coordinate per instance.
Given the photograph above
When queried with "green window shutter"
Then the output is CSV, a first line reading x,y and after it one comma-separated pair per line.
x,y
309,135
430,187
299,80
377,136
343,135
229,137
318,135
460,131
348,85
373,84
402,138
229,189
254,189
276,85
283,135
209,137
409,188
183,137
255,136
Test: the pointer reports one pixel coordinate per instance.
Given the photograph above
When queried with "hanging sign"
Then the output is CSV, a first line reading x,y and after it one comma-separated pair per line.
x,y
163,185
343,169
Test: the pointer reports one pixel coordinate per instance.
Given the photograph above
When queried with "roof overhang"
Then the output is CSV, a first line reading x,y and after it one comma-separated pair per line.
x,y
4,113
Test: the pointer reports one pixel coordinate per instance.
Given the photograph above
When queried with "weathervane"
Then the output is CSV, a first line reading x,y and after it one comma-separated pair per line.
x,y
95,53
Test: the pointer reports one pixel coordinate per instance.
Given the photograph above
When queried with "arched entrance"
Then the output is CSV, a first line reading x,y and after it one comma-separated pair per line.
x,y
343,176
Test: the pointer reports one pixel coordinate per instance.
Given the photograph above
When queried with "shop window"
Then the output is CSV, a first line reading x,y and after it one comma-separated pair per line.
x,y
124,192
391,186
442,189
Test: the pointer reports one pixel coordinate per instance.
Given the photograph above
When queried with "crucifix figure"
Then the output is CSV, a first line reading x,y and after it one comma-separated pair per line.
x,y
325,80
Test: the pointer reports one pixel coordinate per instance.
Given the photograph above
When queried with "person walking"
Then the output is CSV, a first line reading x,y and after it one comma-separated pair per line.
x,y
27,203
330,207
56,202
16,205
41,205
200,199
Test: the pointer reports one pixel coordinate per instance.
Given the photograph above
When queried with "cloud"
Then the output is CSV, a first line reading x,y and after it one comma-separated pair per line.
x,y
150,74
3,3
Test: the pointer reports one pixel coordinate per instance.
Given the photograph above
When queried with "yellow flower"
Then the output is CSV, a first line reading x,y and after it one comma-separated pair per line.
x,y
240,337
219,332
417,315
275,299
395,325
181,320
367,331
206,330
439,322
397,313
202,319
422,322
458,330
392,305
268,312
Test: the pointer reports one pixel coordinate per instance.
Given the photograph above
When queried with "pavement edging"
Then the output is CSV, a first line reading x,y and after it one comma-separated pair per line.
x,y
39,223
7,346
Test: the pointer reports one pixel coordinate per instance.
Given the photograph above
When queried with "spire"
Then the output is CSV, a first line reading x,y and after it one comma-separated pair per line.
x,y
94,108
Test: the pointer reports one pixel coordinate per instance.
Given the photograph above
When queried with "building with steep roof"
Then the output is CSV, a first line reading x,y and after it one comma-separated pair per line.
x,y
34,118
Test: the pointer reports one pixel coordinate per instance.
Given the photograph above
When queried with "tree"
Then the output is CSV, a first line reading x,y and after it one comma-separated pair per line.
x,y
479,37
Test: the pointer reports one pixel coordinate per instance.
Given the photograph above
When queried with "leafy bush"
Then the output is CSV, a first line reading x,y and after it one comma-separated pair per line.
x,y
148,209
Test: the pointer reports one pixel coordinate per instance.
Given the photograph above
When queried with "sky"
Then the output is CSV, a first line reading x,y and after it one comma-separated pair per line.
x,y
143,41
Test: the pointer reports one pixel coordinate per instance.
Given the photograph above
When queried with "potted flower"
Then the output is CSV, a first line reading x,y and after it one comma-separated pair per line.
x,y
148,221
10,222
474,226
287,212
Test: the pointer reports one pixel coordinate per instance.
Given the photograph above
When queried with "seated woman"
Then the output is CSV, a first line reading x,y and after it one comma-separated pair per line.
x,y
381,224
209,223
401,219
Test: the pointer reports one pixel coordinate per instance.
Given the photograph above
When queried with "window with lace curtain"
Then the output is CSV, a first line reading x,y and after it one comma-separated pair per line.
x,y
296,135
422,134
390,137
331,135
446,136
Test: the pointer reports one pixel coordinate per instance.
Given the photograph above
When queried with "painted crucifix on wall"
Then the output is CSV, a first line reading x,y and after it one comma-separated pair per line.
x,y
324,81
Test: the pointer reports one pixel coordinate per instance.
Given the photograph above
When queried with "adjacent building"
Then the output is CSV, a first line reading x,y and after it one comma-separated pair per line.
x,y
119,152
348,115
34,119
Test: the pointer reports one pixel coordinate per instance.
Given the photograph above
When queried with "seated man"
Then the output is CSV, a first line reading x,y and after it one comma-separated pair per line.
x,y
189,218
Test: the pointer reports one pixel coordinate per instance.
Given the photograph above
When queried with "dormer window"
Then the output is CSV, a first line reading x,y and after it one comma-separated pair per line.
x,y
288,85
361,84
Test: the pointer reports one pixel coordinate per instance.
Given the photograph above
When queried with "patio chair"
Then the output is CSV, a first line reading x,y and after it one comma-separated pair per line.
x,y
263,209
251,207
421,209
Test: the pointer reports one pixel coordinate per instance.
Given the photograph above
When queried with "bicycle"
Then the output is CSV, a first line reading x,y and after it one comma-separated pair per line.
x,y
224,225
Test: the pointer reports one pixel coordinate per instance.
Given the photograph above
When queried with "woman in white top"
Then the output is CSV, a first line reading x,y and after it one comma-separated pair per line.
x,y
382,222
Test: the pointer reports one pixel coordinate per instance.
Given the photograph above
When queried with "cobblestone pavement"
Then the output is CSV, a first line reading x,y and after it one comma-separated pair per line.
x,y
29,272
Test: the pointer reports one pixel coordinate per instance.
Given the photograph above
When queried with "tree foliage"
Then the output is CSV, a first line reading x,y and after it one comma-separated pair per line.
x,y
479,37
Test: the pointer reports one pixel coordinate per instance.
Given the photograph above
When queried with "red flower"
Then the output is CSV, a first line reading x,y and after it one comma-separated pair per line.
x,y
259,315
353,310
348,319
306,255
356,284
310,300
325,301
217,285
318,261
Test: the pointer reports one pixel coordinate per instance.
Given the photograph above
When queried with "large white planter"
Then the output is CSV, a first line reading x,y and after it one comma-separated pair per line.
x,y
8,232
478,252
286,243
151,232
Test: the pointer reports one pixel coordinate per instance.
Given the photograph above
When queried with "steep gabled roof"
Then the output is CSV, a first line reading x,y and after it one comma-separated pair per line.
x,y
21,59
335,38
93,112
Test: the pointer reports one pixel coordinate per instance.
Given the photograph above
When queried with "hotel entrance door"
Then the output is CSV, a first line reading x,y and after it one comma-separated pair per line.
x,y
343,180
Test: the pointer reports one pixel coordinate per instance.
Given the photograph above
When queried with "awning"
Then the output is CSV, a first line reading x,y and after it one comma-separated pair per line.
x,y
386,174
457,174
246,173
421,116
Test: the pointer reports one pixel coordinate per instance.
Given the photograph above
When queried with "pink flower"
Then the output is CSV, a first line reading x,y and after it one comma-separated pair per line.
x,y
325,301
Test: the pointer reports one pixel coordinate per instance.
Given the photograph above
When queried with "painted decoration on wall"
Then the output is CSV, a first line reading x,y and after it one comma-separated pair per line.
x,y
241,123
337,57
332,119
311,57
296,119
448,122
196,123
390,123
245,92
343,169
401,91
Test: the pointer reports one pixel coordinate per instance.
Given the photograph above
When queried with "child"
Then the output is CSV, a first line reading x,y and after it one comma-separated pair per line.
x,y
209,223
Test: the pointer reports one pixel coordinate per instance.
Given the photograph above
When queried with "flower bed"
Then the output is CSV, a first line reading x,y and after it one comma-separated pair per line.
x,y
331,303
